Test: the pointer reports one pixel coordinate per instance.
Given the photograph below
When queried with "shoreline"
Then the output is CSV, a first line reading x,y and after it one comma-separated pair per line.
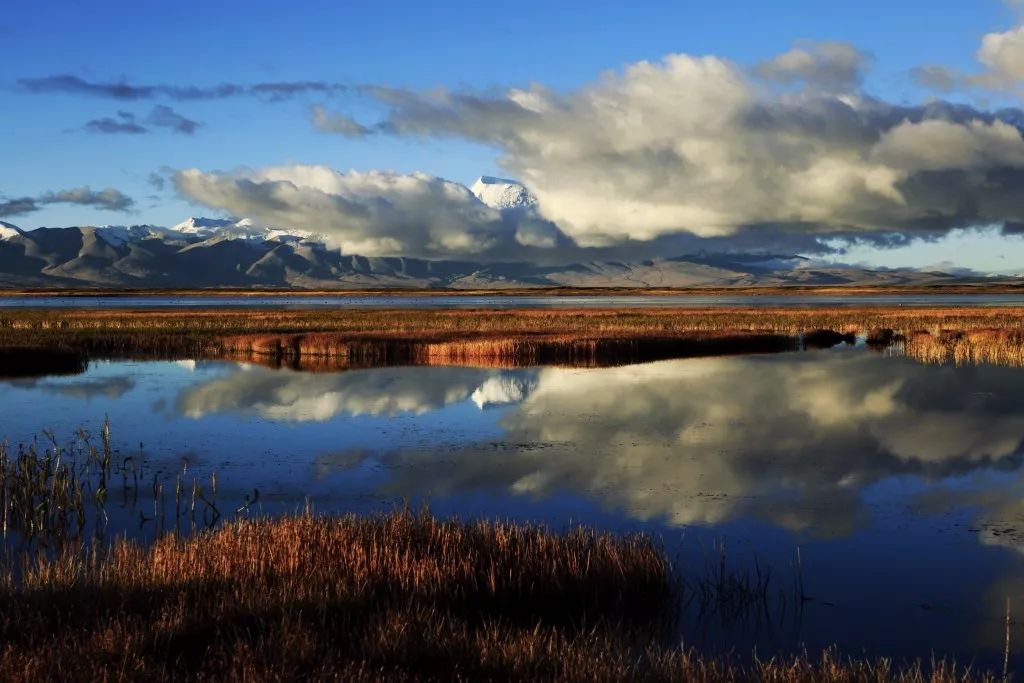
x,y
653,292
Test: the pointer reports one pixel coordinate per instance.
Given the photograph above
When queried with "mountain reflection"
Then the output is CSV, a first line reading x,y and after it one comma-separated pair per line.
x,y
793,439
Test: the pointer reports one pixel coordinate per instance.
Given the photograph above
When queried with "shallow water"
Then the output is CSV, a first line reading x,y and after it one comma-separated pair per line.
x,y
897,485
506,302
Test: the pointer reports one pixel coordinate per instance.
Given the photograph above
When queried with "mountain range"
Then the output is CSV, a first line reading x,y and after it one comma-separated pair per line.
x,y
212,252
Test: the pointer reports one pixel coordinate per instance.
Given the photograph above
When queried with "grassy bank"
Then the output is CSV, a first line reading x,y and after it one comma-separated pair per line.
x,y
335,339
399,597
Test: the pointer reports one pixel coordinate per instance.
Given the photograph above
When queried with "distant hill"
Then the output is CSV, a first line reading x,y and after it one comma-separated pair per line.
x,y
202,252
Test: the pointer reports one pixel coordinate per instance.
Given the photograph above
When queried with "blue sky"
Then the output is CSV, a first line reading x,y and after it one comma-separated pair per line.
x,y
460,46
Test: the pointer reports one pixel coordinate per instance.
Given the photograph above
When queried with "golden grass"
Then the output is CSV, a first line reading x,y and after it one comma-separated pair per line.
x,y
355,338
399,597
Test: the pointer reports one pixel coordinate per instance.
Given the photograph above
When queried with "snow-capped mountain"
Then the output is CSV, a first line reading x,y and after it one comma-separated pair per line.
x,y
8,230
244,229
502,193
228,252
119,235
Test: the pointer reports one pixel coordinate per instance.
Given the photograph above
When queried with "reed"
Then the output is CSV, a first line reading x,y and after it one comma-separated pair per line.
x,y
337,339
402,596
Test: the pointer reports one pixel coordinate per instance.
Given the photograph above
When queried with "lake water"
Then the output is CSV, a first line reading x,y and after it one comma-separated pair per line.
x,y
505,302
897,485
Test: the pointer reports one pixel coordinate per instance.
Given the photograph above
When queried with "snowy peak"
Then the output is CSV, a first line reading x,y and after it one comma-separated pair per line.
x,y
245,229
118,235
8,230
192,224
502,193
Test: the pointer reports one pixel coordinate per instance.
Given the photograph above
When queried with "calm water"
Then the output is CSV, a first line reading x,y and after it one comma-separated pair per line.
x,y
445,301
899,483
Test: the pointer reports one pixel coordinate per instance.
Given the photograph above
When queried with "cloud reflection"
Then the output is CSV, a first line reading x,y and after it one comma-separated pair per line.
x,y
793,440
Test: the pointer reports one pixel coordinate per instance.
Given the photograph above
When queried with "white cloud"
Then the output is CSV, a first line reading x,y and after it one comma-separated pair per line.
x,y
374,213
698,145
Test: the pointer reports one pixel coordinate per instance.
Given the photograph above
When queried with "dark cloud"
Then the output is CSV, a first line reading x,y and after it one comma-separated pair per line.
x,y
18,206
161,116
124,90
107,199
124,123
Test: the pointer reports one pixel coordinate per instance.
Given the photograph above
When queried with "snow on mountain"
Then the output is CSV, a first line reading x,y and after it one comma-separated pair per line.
x,y
8,230
502,193
245,229
117,235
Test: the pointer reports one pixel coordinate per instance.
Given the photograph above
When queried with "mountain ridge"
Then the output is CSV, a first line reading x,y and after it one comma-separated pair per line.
x,y
211,253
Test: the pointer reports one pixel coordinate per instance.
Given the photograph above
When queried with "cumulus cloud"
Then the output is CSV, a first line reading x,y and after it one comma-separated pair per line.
x,y
375,213
833,66
107,199
698,145
1000,58
125,90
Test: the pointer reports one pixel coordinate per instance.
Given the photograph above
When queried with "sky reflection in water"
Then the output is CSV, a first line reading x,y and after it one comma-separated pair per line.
x,y
900,482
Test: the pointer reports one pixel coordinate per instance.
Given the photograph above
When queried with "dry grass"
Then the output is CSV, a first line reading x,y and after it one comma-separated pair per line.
x,y
399,597
489,337
972,347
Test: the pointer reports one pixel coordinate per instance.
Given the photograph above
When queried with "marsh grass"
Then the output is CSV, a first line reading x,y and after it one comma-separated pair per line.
x,y
398,596
339,339
402,596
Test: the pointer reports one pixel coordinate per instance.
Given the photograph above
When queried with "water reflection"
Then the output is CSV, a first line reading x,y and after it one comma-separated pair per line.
x,y
900,481
304,397
793,440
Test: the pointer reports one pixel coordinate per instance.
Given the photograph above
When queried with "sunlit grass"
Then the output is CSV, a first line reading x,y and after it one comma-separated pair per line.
x,y
334,339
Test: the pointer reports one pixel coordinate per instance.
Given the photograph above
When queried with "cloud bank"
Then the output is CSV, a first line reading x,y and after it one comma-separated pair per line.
x,y
375,213
700,145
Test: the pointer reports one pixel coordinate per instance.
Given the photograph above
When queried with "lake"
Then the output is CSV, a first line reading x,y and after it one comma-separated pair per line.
x,y
444,301
883,496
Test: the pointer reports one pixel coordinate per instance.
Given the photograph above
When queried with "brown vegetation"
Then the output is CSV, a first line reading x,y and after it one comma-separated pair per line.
x,y
336,339
399,597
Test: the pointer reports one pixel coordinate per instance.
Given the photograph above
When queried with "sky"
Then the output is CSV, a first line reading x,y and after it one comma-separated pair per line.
x,y
876,132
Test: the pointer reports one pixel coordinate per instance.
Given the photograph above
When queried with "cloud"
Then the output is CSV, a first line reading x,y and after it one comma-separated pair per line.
x,y
375,213
688,441
304,397
698,145
17,206
107,199
124,122
335,123
833,66
124,90
1000,57
161,116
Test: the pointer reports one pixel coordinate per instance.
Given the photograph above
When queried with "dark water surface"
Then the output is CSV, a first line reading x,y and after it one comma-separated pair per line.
x,y
891,490
506,302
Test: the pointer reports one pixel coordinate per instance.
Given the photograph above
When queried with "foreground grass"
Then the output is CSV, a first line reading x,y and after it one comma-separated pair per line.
x,y
400,597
